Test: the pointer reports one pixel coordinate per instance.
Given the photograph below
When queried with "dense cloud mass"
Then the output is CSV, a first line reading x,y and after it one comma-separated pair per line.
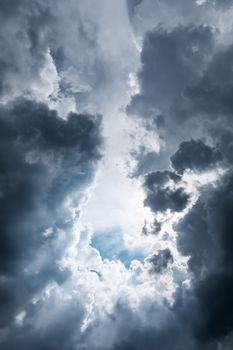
x,y
205,235
194,155
45,161
116,182
161,83
186,77
161,195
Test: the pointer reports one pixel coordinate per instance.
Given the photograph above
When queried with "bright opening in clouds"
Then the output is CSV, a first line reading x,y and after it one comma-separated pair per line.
x,y
116,183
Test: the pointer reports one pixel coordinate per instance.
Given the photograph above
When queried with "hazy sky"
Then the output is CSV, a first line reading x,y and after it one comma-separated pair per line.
x,y
116,180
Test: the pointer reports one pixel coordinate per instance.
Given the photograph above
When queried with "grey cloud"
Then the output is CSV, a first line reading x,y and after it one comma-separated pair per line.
x,y
161,200
145,162
195,155
43,159
87,46
132,4
171,60
195,239
23,44
151,229
212,94
205,235
160,178
160,261
196,107
164,331
160,196
63,332
201,318
222,4
30,33
186,79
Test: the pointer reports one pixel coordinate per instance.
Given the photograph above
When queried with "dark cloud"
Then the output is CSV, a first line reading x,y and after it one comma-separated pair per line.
x,y
167,332
160,195
46,163
186,78
44,160
205,235
201,317
171,60
194,238
163,199
194,155
62,333
152,338
160,260
160,178
212,95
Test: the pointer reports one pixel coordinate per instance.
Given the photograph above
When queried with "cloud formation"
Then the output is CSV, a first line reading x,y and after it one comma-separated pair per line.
x,y
161,195
183,78
194,155
46,163
160,261
63,283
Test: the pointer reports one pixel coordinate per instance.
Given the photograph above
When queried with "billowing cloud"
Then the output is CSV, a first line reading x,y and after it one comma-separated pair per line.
x,y
38,197
194,155
183,78
162,83
139,256
212,94
161,195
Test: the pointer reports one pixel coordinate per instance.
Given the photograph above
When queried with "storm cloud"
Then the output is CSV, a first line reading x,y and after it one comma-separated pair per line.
x,y
185,76
161,195
36,146
116,183
194,155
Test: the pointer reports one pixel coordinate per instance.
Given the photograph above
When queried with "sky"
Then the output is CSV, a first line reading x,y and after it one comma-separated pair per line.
x,y
116,180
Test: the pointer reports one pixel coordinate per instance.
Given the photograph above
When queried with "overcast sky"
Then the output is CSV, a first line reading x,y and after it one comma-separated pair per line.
x,y
116,180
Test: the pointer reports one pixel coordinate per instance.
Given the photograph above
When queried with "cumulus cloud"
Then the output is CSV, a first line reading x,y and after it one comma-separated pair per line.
x,y
161,195
160,82
65,285
212,94
183,78
194,155
193,320
46,163
204,235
